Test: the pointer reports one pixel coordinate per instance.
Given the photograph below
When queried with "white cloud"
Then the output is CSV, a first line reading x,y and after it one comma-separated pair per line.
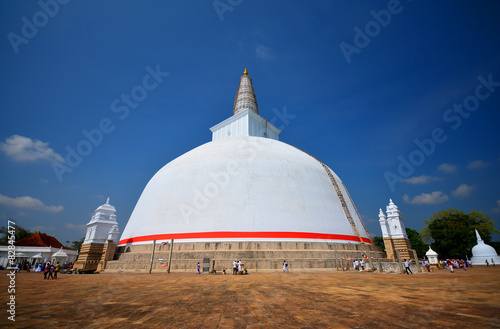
x,y
447,168
24,149
463,191
263,52
421,179
27,202
435,197
496,210
477,164
76,227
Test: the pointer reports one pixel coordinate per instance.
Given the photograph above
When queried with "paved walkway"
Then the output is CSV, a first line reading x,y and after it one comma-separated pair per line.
x,y
299,299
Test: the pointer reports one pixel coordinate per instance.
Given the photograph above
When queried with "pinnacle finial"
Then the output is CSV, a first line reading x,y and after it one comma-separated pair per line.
x,y
245,97
107,201
479,239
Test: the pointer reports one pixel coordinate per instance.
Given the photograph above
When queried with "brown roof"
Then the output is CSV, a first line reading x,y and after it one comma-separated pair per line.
x,y
40,240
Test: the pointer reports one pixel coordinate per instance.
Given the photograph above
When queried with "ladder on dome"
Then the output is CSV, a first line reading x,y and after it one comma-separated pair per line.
x,y
342,200
349,195
340,196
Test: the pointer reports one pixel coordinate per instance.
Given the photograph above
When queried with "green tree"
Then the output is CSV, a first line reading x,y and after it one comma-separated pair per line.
x,y
416,242
76,245
379,241
20,233
452,232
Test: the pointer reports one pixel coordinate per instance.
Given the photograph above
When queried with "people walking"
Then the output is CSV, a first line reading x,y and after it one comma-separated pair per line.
x,y
450,266
240,270
51,271
362,264
407,267
235,268
198,268
46,271
56,270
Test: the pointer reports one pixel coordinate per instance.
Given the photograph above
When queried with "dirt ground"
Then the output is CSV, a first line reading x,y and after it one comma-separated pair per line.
x,y
299,299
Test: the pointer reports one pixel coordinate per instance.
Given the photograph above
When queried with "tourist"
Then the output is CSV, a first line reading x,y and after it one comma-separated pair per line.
x,y
487,264
235,268
56,269
362,263
285,266
450,266
198,268
407,267
492,262
240,270
46,271
51,271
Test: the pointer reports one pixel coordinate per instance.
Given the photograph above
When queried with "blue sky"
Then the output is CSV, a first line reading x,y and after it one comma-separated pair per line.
x,y
359,81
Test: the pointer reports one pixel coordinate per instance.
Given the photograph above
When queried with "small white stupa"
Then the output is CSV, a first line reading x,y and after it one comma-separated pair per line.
x,y
394,233
103,225
482,252
432,256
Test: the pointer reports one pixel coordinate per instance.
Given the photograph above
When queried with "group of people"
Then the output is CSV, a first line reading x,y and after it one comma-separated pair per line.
x,y
358,264
49,270
239,268
452,264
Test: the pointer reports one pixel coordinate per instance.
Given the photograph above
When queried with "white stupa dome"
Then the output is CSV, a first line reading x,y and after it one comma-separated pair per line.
x,y
243,188
482,252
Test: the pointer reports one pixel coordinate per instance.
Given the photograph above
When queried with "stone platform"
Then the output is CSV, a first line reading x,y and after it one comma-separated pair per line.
x,y
255,255
299,299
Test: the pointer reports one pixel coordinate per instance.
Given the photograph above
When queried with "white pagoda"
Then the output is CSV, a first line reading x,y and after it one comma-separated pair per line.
x,y
100,241
482,252
394,233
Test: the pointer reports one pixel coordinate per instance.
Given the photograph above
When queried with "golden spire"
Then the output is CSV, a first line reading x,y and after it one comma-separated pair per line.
x,y
246,72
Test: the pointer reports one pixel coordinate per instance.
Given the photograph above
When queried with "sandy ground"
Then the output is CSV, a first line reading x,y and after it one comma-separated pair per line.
x,y
299,299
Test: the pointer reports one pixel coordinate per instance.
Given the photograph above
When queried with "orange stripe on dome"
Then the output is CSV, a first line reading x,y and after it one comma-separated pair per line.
x,y
242,235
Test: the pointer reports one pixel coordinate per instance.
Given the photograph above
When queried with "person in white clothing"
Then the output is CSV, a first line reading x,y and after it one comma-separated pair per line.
x,y
407,267
285,266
